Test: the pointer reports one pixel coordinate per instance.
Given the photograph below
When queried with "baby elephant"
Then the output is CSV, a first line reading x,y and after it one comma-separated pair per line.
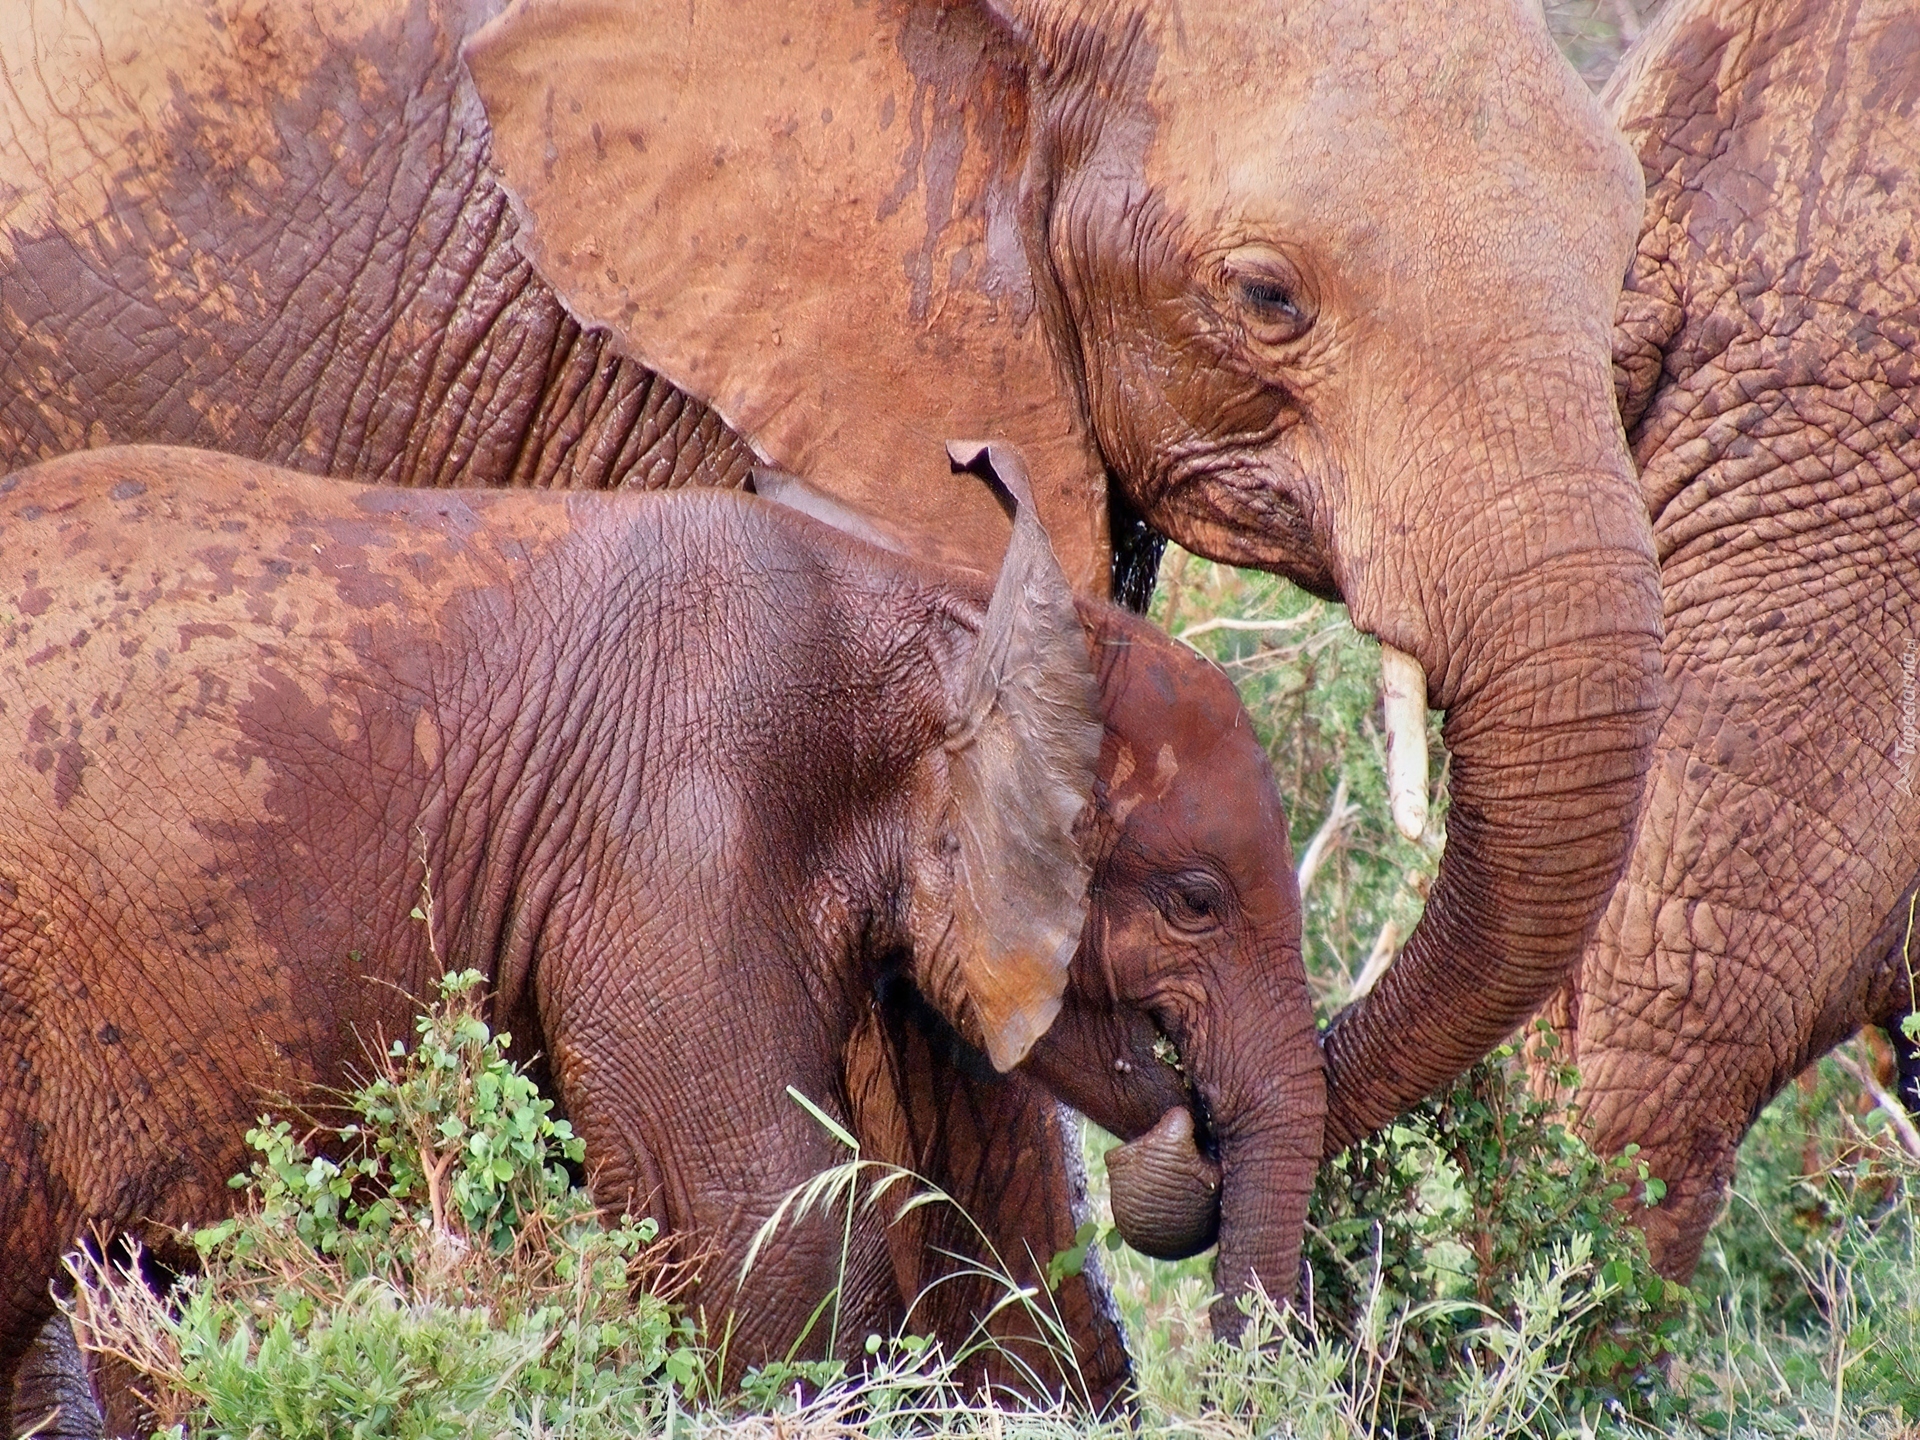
x,y
721,800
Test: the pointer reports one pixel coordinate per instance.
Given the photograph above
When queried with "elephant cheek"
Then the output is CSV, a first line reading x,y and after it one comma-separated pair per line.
x,y
1166,1194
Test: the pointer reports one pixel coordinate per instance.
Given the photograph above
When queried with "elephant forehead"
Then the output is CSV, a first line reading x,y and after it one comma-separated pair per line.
x,y
1395,142
1183,747
1166,693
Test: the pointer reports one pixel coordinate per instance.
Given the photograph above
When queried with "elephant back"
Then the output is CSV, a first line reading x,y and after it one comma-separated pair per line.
x,y
271,229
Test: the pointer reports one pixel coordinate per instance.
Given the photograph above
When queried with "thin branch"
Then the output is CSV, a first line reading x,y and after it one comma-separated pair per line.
x,y
1902,1123
1222,622
1386,945
1338,814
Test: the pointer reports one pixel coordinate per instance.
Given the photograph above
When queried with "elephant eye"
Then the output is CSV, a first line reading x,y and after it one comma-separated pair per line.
x,y
1270,298
1192,903
1269,294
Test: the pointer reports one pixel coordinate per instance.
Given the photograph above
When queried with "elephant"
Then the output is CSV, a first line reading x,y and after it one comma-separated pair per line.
x,y
719,800
1766,353
1321,287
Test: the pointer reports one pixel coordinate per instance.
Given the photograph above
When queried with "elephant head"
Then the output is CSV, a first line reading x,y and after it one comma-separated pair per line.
x,y
1319,287
1188,1022
1186,1026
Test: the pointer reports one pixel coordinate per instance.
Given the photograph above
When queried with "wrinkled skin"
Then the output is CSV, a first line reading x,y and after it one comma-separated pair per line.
x,y
283,688
54,1391
1322,288
1767,351
1196,915
276,236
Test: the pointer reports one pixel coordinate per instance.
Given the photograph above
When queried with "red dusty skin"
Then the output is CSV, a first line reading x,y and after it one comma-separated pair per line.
x,y
1188,1000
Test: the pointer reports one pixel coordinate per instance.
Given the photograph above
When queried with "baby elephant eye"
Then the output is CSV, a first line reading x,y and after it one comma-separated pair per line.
x,y
1193,904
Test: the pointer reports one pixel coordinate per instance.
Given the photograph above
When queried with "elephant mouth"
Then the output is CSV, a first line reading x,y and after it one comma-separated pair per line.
x,y
1165,1189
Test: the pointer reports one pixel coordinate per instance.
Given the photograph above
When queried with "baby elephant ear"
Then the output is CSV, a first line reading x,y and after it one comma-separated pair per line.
x,y
1021,756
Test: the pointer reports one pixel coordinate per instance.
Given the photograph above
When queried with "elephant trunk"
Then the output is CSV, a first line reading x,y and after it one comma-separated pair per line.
x,y
1267,1162
1262,1092
1547,662
1165,1190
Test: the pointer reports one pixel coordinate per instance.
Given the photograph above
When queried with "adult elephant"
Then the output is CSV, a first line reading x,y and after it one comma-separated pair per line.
x,y
1771,387
1321,288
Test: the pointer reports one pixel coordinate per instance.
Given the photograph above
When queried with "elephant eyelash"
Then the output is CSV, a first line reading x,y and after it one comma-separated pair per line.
x,y
1270,297
1275,307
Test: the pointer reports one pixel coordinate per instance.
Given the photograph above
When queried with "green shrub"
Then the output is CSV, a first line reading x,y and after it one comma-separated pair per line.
x,y
1480,1226
436,1275
1811,1279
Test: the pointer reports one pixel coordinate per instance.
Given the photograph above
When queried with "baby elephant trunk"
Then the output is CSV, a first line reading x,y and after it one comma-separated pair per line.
x,y
1165,1191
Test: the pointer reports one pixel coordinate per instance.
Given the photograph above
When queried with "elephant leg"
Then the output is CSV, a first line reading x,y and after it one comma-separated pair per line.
x,y
23,1371
1697,1006
713,1192
29,1258
1686,1091
1694,1153
1008,1155
695,1128
1544,1052
1753,927
1900,991
101,1395
54,1388
1012,1160
1681,1030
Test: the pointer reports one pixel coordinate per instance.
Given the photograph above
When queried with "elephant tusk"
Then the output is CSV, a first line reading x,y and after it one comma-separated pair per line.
x,y
1403,693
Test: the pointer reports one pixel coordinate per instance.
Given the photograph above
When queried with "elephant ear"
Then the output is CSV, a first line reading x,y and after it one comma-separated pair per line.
x,y
810,217
1020,756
